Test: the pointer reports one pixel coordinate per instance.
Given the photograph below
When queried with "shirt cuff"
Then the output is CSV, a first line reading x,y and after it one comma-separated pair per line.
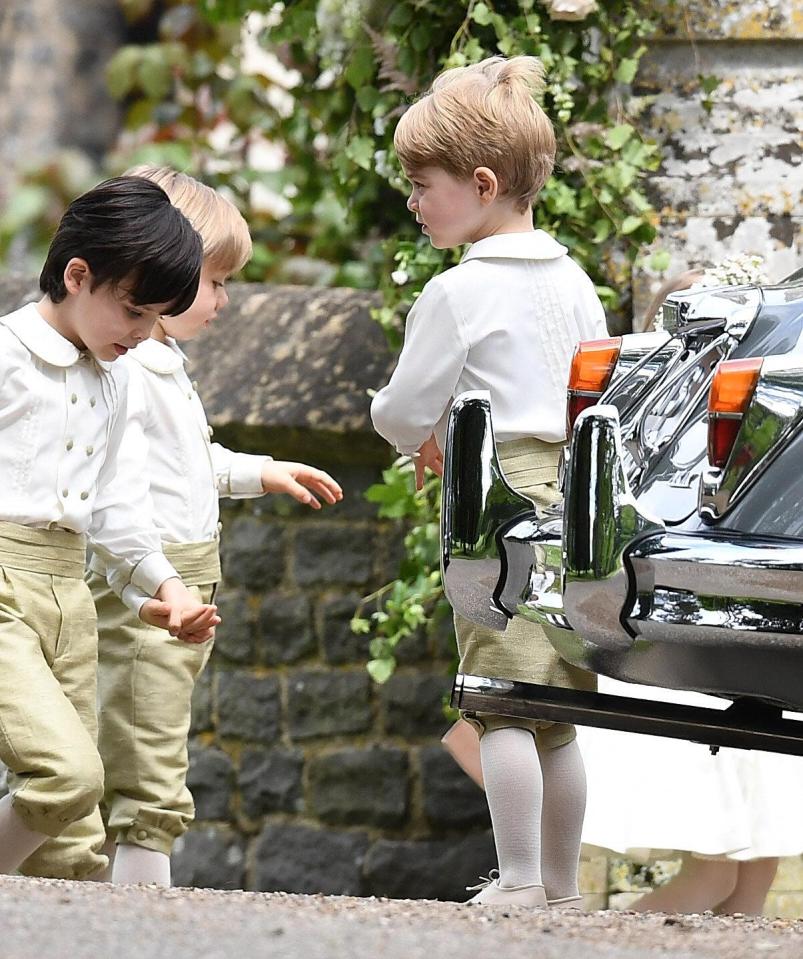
x,y
151,572
245,474
408,450
134,599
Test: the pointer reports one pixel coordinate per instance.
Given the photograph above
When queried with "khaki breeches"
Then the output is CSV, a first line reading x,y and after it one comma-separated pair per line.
x,y
522,652
48,661
145,684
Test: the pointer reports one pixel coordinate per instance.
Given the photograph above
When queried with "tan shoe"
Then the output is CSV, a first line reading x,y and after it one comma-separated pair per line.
x,y
568,902
492,894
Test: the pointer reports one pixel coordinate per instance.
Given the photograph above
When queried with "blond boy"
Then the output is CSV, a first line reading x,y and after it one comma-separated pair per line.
x,y
477,149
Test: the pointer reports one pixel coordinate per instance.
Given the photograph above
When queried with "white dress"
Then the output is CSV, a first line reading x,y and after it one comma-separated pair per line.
x,y
651,796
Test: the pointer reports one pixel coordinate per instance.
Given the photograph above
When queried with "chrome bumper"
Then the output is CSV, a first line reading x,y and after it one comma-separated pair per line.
x,y
479,509
703,610
698,610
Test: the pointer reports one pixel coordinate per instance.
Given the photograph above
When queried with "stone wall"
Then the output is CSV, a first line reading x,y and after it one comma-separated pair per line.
x,y
731,180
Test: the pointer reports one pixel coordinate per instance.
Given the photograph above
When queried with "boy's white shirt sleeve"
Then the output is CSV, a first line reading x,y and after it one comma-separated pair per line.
x,y
421,388
238,475
121,530
588,310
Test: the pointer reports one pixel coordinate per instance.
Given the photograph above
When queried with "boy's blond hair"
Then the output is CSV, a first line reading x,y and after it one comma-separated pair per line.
x,y
221,226
483,115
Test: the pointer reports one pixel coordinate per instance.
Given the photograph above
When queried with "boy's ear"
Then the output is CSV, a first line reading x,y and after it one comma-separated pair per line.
x,y
76,275
486,184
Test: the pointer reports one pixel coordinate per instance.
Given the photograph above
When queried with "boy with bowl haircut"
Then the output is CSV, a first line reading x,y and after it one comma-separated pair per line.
x,y
122,255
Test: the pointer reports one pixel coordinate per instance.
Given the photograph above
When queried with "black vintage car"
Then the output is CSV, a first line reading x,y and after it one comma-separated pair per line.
x,y
676,559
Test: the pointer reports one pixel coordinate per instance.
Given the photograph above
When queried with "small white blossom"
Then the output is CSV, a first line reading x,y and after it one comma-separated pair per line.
x,y
737,270
381,165
569,9
264,155
400,277
264,200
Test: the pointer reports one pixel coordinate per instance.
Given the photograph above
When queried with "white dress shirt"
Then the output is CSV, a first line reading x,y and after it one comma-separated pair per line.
x,y
505,319
171,443
62,426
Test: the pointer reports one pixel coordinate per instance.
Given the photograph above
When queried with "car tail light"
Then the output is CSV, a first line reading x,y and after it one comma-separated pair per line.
x,y
592,365
731,391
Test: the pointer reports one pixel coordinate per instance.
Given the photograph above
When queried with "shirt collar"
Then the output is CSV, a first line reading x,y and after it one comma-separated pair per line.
x,y
536,245
35,333
159,357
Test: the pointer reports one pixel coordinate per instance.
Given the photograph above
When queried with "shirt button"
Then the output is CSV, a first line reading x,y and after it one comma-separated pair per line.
x,y
92,401
90,450
84,495
195,385
65,493
69,445
210,431
73,398
142,834
189,395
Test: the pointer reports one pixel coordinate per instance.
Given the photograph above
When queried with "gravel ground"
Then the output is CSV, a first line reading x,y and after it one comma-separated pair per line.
x,y
51,918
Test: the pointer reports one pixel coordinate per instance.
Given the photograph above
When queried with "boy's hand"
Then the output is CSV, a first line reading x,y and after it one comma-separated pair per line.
x,y
428,455
300,481
179,612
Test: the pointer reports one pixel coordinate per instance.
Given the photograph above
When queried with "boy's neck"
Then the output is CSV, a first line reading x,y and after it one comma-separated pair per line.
x,y
508,221
158,332
58,315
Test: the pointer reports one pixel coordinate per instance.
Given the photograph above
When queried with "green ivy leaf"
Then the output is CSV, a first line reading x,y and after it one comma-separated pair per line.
x,y
631,223
626,71
360,150
154,72
361,67
481,15
380,670
618,136
121,71
660,261
367,98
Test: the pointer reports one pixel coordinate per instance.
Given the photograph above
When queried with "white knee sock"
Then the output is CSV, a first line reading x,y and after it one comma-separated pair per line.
x,y
514,789
17,841
562,818
135,864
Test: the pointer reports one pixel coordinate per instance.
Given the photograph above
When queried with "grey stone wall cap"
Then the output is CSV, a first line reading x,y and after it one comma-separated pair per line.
x,y
292,357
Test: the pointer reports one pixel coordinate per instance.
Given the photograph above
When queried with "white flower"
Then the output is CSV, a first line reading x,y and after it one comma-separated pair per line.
x,y
381,165
736,270
569,9
400,277
264,200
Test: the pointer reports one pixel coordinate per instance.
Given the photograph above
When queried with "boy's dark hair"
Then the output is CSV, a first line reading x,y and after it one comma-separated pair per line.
x,y
128,232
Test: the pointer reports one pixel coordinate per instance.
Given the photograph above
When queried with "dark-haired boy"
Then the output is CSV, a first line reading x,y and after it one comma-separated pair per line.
x,y
122,256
